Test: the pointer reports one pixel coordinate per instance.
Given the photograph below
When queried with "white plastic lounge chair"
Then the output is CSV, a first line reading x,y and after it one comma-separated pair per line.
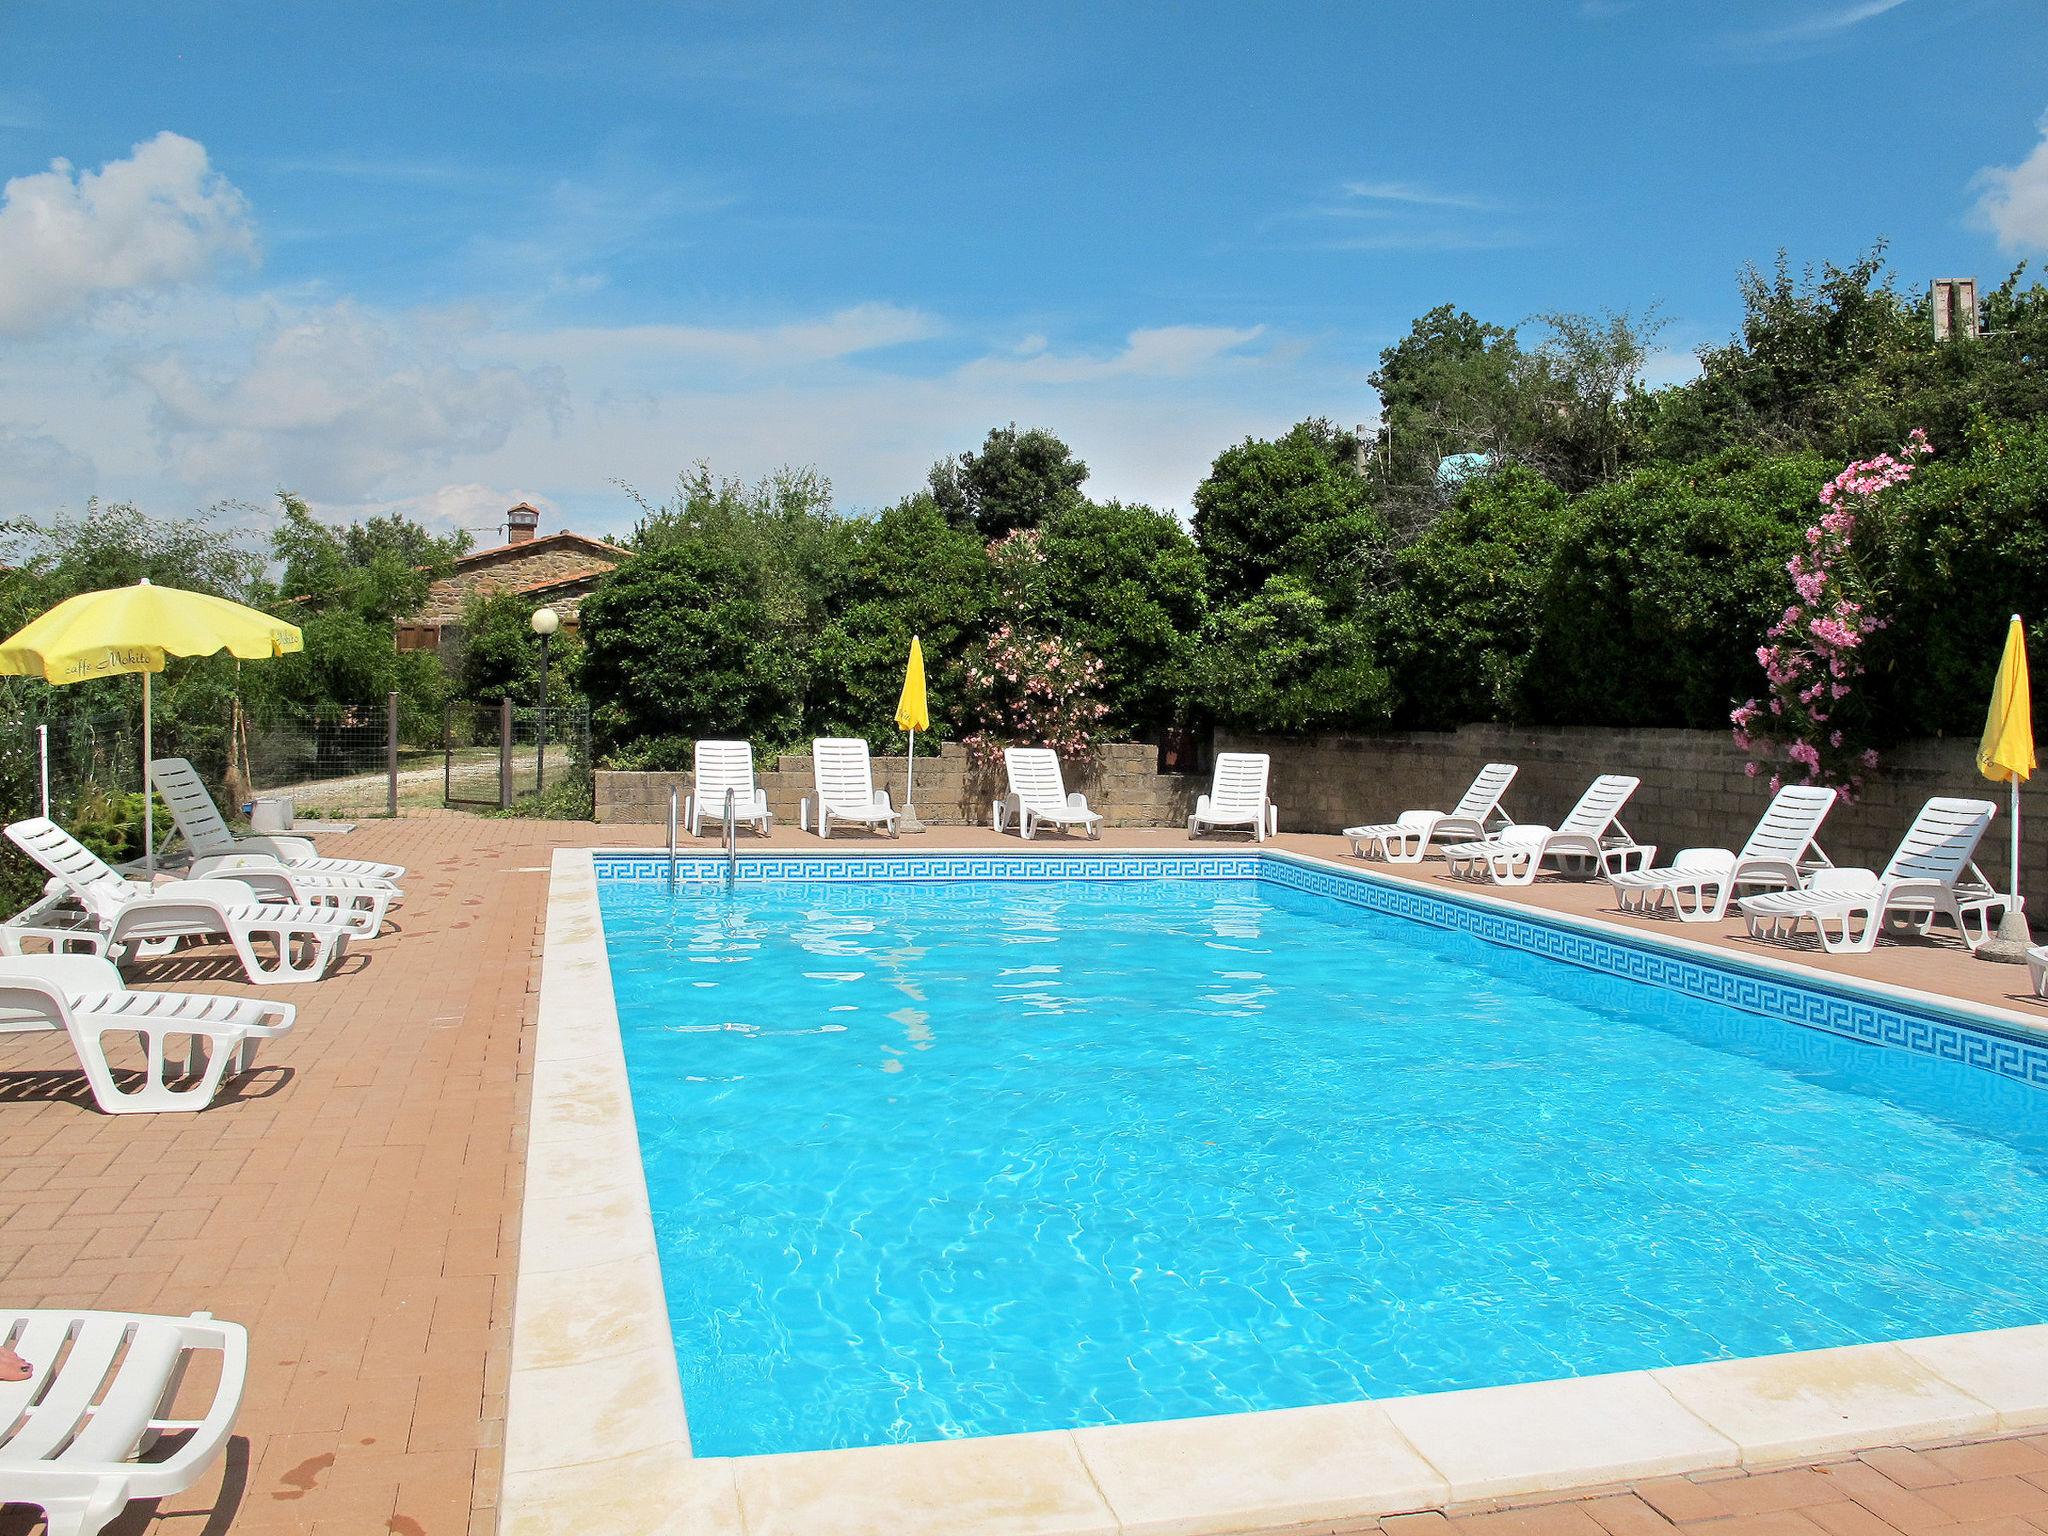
x,y
84,996
71,1433
1237,797
1699,882
1589,840
722,766
121,916
2037,969
1038,795
215,849
1932,874
1406,839
844,778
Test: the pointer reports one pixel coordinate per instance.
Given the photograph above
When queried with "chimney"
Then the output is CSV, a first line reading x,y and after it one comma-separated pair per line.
x,y
520,523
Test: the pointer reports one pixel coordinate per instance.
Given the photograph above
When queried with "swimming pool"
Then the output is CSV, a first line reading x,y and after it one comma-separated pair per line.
x,y
966,1157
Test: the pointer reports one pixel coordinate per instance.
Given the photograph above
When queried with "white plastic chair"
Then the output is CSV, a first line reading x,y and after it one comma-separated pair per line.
x,y
122,917
1699,882
843,776
2037,969
1591,839
84,997
1237,797
102,1387
215,848
1406,839
1038,795
720,766
1932,873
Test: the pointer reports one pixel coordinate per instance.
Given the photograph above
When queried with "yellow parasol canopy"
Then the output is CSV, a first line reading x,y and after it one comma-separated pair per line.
x,y
133,629
2007,751
912,713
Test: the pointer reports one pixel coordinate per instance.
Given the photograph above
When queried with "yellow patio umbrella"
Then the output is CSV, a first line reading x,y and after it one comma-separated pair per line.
x,y
136,629
913,714
2006,755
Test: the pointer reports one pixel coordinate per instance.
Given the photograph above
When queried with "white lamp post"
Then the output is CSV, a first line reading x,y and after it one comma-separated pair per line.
x,y
545,622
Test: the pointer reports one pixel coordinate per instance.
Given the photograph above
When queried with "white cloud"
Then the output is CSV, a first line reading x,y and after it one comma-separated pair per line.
x,y
1165,352
1825,25
159,218
338,401
39,475
845,333
1409,192
2013,202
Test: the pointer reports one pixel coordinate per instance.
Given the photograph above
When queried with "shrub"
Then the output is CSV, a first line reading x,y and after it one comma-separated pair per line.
x,y
1285,662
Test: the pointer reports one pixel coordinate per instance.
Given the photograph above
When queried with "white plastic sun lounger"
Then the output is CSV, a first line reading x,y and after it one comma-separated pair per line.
x,y
1237,797
85,998
721,766
1699,882
843,776
122,917
1038,795
101,1389
1932,874
216,849
1406,839
2037,969
1590,840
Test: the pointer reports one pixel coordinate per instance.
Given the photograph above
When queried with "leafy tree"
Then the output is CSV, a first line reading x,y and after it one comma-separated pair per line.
x,y
911,573
1017,480
1661,585
501,653
379,569
1297,507
1124,583
1286,661
1466,605
677,645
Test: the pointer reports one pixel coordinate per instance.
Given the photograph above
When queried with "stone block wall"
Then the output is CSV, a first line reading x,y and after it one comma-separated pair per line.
x,y
1122,783
1694,791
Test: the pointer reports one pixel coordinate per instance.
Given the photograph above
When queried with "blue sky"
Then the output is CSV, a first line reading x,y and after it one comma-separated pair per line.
x,y
444,257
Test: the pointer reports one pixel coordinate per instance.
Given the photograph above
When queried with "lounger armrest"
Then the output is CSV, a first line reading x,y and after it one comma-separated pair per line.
x,y
1202,807
883,801
1842,877
282,848
1703,860
209,1432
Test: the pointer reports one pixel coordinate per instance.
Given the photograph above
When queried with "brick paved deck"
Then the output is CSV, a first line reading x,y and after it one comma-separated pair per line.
x,y
356,1205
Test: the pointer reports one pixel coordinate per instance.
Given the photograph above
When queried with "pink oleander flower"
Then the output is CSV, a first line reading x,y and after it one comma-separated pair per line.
x,y
1752,769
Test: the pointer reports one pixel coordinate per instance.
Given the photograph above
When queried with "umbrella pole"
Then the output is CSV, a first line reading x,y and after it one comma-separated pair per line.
x,y
910,778
148,820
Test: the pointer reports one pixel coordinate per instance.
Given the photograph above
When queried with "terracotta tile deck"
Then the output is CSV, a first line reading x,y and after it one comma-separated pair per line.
x,y
356,1205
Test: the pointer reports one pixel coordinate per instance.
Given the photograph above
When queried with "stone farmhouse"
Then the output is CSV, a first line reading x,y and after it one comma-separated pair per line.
x,y
554,570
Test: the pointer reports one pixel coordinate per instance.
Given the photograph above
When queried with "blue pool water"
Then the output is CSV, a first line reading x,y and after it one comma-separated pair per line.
x,y
930,1160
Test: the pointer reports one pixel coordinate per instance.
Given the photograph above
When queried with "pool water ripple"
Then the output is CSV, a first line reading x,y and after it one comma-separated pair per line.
x,y
930,1160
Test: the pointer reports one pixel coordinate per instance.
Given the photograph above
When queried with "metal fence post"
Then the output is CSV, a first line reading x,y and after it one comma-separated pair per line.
x,y
504,754
391,754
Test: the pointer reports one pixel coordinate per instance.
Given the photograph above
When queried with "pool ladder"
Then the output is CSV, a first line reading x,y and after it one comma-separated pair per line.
x,y
732,837
673,795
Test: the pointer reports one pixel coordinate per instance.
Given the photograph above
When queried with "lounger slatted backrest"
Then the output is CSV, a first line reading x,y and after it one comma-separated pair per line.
x,y
1240,784
841,771
1600,804
1789,825
723,765
1484,795
1942,840
199,820
88,877
1035,777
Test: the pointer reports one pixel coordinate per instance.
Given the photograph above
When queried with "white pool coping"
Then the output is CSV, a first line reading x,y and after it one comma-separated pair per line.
x,y
597,1442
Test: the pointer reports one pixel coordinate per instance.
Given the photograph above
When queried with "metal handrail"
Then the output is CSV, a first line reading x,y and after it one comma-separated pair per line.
x,y
732,836
673,795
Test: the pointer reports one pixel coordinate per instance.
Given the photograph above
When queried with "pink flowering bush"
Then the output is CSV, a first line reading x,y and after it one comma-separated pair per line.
x,y
1805,727
1023,688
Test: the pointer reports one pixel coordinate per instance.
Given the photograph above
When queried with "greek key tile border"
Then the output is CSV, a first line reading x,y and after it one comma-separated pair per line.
x,y
1813,1004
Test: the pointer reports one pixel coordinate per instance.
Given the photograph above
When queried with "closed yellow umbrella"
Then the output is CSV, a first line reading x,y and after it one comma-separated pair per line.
x,y
913,714
2006,755
137,629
